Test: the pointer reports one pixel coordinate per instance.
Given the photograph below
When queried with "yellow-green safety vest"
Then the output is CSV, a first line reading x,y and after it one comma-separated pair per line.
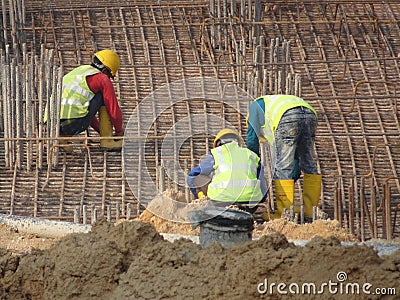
x,y
275,107
76,93
235,178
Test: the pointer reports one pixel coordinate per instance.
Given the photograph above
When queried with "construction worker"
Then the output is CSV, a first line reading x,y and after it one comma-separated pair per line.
x,y
289,124
87,90
235,174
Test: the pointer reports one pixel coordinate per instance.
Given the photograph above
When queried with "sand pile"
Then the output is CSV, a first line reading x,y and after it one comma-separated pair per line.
x,y
307,231
168,213
168,204
132,261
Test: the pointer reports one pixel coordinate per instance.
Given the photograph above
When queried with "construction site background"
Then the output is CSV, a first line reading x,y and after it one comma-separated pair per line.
x,y
341,56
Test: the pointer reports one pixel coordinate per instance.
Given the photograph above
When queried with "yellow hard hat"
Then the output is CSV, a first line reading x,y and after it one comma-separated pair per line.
x,y
110,59
226,132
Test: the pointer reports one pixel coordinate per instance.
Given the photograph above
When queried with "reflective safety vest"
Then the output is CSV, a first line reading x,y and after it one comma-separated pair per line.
x,y
275,107
76,93
235,177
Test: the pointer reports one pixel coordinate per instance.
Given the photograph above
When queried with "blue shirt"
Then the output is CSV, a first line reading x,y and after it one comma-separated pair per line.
x,y
256,119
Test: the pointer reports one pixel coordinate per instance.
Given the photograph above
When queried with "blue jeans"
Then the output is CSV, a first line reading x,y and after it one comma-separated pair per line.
x,y
294,144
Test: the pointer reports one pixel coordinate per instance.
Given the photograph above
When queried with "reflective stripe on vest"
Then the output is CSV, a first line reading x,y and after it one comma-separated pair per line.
x,y
275,107
235,178
76,94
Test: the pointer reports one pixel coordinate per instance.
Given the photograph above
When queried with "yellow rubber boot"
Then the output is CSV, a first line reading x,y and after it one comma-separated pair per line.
x,y
311,192
106,130
284,190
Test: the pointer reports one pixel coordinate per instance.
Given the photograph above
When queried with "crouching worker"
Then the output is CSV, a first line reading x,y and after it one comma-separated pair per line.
x,y
88,90
230,174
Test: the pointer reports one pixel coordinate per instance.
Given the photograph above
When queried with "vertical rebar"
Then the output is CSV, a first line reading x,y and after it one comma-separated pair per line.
x,y
387,211
13,29
4,22
128,211
29,114
123,188
84,214
13,187
340,201
374,210
40,114
94,214
104,192
362,217
48,79
18,117
54,121
351,209
187,190
84,181
62,188
161,183
11,110
258,9
117,211
77,217
108,213
5,91
36,193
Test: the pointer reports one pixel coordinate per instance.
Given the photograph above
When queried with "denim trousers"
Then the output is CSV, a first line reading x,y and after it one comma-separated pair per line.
x,y
294,144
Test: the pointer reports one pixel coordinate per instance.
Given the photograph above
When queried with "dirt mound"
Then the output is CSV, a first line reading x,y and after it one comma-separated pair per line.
x,y
307,231
22,243
132,261
168,213
165,207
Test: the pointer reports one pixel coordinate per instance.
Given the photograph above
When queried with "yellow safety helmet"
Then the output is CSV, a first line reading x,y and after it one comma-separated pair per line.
x,y
110,59
229,135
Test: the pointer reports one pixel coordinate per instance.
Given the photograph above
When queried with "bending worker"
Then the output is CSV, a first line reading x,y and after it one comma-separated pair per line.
x,y
87,90
235,174
289,124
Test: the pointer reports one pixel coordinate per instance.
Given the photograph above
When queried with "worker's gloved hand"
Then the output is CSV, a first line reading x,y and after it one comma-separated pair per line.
x,y
262,139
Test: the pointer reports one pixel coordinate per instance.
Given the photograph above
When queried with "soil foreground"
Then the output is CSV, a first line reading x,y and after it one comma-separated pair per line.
x,y
131,260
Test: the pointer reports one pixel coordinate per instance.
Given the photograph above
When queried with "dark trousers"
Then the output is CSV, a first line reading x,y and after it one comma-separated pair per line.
x,y
76,126
250,208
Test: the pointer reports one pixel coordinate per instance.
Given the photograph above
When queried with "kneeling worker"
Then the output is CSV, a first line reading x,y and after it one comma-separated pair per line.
x,y
235,173
87,90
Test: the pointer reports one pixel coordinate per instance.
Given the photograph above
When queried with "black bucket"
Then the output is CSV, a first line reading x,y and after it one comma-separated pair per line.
x,y
229,227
